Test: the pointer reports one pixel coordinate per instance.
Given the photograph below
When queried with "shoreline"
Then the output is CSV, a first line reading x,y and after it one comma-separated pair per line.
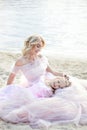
x,y
64,54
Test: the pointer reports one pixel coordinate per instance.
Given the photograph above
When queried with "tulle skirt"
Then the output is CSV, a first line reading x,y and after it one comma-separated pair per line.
x,y
18,104
43,112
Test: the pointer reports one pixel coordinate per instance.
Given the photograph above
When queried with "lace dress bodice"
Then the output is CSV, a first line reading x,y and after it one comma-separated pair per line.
x,y
33,71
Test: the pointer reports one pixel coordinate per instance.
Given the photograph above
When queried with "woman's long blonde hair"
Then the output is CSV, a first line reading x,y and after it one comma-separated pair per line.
x,y
31,42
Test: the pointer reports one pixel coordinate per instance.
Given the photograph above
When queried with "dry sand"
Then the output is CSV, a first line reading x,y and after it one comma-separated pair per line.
x,y
73,66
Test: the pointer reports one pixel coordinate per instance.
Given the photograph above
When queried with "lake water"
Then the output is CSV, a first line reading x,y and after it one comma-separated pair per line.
x,y
62,23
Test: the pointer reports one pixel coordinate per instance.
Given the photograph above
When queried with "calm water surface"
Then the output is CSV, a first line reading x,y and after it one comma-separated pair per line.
x,y
62,23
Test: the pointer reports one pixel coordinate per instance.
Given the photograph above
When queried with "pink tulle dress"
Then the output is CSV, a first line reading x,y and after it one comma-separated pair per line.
x,y
34,103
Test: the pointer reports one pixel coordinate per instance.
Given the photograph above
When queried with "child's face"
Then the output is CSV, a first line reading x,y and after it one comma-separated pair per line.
x,y
60,82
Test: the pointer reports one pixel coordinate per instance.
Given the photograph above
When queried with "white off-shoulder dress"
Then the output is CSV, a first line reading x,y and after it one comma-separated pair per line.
x,y
33,103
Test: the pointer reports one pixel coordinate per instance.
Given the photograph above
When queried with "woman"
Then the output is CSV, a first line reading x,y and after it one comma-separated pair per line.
x,y
34,67
27,103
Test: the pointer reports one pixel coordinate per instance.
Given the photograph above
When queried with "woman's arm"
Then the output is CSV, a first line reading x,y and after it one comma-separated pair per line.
x,y
49,69
15,70
56,73
10,78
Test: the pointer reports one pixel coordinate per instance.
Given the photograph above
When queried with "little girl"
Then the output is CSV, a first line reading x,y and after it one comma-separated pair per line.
x,y
58,82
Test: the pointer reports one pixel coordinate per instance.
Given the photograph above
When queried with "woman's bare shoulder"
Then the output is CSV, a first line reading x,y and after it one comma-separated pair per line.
x,y
20,61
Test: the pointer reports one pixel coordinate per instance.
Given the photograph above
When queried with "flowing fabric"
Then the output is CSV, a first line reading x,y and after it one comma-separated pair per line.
x,y
33,102
76,93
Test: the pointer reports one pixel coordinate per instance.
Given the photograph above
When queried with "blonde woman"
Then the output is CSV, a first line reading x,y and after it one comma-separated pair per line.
x,y
34,67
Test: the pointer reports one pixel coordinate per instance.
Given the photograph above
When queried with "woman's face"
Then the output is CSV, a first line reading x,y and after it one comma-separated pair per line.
x,y
37,48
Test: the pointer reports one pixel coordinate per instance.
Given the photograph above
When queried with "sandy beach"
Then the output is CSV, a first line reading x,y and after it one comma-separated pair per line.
x,y
72,66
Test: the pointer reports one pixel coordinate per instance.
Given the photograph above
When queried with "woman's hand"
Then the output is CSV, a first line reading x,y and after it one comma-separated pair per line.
x,y
66,76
